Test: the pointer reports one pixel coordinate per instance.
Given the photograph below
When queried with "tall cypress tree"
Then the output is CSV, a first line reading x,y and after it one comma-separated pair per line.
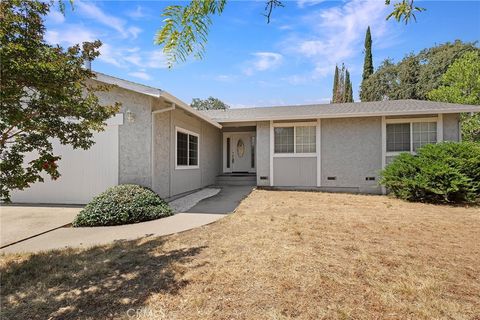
x,y
335,85
368,62
348,92
340,97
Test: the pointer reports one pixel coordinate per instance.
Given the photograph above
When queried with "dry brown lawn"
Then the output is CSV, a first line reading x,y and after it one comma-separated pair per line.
x,y
282,255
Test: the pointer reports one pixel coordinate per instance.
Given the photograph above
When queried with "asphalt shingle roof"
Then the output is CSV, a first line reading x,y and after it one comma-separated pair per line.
x,y
338,110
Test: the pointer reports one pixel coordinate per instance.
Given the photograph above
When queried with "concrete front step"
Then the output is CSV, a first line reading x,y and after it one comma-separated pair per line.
x,y
236,180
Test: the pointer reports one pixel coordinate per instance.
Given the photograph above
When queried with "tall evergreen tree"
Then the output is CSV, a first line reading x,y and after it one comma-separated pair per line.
x,y
335,85
368,60
348,94
342,86
340,97
367,63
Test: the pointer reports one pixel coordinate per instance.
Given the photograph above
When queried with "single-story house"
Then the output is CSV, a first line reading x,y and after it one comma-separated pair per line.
x,y
162,143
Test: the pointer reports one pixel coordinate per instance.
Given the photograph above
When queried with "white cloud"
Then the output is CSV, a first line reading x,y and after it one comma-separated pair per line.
x,y
225,78
92,11
141,75
69,35
307,3
156,59
111,56
55,17
337,33
263,61
138,13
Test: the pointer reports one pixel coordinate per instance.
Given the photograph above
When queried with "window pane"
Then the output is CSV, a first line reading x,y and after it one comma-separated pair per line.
x,y
398,137
424,133
192,150
182,155
306,139
283,140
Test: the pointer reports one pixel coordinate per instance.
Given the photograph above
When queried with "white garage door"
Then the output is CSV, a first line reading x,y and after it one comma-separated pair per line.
x,y
84,173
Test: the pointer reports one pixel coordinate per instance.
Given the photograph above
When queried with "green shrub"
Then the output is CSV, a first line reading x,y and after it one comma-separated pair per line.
x,y
447,172
122,204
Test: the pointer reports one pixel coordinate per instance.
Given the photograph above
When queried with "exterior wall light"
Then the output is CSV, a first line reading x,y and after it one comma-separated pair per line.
x,y
130,116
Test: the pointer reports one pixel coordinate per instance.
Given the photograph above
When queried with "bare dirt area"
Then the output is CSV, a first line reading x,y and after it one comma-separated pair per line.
x,y
281,255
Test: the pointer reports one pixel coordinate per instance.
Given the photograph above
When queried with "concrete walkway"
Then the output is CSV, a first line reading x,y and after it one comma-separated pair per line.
x,y
205,212
226,201
87,237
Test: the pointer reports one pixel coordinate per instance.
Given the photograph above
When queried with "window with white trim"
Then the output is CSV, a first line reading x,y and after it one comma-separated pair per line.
x,y
295,139
305,139
187,149
398,137
284,140
410,136
423,133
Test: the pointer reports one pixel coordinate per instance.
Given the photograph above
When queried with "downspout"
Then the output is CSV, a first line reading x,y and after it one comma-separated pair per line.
x,y
152,153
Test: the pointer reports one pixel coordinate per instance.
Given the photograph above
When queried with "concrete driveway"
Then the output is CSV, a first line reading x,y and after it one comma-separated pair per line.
x,y
22,222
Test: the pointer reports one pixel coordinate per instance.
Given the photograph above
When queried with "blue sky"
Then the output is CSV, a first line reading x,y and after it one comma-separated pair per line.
x,y
251,63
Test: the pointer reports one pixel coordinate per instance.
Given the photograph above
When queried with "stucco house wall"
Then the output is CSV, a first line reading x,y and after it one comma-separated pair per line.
x,y
169,181
451,127
134,137
351,150
155,169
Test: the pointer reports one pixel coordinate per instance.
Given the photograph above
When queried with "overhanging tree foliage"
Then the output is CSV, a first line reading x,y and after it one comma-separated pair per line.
x,y
185,27
210,103
44,94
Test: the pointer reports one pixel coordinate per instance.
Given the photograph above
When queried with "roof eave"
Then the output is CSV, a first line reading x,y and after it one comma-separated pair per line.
x,y
351,115
171,98
128,85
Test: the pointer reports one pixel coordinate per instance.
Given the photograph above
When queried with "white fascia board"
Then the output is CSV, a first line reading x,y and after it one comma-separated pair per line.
x,y
128,85
353,115
179,103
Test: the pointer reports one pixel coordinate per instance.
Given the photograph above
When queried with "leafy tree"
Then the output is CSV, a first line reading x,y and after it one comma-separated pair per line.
x,y
382,83
461,84
185,27
408,76
44,94
416,75
210,103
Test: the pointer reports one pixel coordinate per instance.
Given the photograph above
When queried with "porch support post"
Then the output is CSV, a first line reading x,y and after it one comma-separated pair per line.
x,y
384,147
319,152
271,152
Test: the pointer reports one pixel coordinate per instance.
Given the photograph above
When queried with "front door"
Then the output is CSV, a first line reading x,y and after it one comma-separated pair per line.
x,y
242,152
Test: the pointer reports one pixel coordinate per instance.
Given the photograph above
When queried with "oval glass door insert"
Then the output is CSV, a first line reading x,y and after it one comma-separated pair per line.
x,y
240,148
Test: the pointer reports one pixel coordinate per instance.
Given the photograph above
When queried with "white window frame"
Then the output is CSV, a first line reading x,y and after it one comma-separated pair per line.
x,y
295,125
191,133
410,121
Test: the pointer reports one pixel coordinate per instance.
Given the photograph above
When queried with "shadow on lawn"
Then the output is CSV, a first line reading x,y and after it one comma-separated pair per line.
x,y
101,282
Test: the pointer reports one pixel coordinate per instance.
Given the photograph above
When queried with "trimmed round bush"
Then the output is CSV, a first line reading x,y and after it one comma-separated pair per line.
x,y
123,204
447,172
